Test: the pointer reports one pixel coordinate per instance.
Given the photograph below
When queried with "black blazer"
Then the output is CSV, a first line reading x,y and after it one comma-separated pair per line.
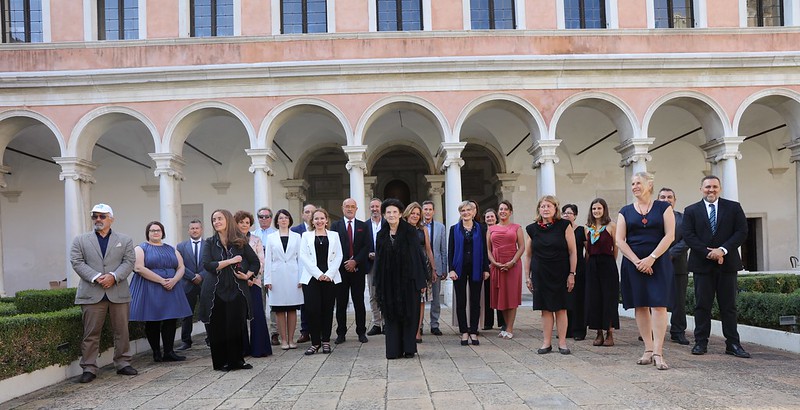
x,y
731,234
362,242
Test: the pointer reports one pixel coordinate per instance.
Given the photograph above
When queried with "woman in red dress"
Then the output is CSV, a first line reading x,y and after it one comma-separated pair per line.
x,y
506,244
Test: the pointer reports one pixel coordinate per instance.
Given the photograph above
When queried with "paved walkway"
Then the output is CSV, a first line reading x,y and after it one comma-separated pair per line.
x,y
505,374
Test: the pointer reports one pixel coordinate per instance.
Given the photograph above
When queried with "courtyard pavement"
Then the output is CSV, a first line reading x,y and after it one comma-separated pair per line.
x,y
499,373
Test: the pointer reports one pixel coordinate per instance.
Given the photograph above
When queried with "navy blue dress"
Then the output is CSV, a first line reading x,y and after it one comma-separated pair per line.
x,y
150,301
640,289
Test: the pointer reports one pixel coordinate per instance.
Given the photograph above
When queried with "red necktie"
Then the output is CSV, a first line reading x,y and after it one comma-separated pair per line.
x,y
350,236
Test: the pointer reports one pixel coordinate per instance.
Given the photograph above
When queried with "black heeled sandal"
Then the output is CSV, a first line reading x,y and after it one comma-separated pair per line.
x,y
326,348
311,350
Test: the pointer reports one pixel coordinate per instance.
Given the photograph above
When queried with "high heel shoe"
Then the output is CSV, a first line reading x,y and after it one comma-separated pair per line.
x,y
474,340
645,359
598,341
465,342
659,363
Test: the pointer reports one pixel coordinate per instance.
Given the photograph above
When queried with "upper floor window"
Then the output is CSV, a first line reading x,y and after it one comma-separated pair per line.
x,y
399,15
22,21
492,14
764,13
117,19
211,18
674,13
585,13
304,16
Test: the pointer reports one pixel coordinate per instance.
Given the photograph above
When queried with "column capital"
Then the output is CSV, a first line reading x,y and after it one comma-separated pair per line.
x,y
508,182
76,169
4,170
794,146
356,155
295,188
168,164
634,150
452,152
544,151
723,148
261,159
436,183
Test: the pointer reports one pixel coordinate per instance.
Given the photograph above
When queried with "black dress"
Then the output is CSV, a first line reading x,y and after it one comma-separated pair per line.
x,y
549,265
602,281
577,298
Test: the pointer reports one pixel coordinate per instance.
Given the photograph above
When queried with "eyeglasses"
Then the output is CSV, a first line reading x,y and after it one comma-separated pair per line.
x,y
99,216
154,230
568,213
264,216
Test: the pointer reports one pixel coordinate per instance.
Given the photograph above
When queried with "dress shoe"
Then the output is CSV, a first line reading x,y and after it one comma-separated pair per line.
x,y
127,371
544,350
172,357
340,339
86,377
408,355
375,330
680,339
564,350
598,341
241,366
435,331
699,349
304,337
157,357
736,350
363,338
275,340
579,338
183,346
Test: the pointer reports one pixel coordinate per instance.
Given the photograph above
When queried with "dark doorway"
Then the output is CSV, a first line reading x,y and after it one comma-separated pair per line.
x,y
751,249
397,189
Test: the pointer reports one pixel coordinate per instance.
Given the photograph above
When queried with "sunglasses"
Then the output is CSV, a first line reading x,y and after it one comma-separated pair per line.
x,y
264,216
99,216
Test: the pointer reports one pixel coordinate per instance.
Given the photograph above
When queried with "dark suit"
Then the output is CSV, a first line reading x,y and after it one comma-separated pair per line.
x,y
353,283
677,253
711,278
299,229
186,249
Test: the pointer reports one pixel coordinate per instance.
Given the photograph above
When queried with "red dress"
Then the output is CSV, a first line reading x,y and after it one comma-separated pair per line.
x,y
506,291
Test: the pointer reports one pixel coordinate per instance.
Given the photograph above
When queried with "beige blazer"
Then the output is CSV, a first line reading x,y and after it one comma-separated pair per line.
x,y
308,257
88,262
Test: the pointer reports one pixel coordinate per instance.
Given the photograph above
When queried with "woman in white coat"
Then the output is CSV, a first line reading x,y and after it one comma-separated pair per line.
x,y
320,258
282,276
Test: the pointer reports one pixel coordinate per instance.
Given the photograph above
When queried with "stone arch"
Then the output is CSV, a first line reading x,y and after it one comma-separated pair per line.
x,y
376,154
708,112
309,155
614,108
284,111
182,124
518,106
96,122
418,104
493,153
784,101
21,119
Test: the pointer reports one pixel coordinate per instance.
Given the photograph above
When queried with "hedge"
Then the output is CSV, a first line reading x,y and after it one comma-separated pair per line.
x,y
8,309
39,301
763,283
755,308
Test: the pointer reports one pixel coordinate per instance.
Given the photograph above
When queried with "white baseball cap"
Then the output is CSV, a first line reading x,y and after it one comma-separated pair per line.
x,y
103,209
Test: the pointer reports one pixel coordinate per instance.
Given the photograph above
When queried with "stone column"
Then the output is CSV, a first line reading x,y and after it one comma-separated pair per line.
x,y
545,160
722,153
369,190
261,167
452,166
507,187
436,191
635,155
794,146
4,170
77,176
356,166
169,170
296,194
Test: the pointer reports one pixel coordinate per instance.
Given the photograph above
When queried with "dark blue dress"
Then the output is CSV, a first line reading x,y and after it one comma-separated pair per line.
x,y
149,300
639,289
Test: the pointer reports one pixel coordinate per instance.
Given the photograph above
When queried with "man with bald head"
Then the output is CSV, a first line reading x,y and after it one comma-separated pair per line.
x,y
355,240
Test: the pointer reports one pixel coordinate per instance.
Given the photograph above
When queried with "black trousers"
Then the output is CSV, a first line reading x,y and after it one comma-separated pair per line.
x,y
488,312
163,329
319,300
576,319
460,286
677,323
188,322
227,321
401,335
352,285
724,286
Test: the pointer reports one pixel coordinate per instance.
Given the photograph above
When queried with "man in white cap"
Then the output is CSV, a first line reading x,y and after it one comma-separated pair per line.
x,y
103,259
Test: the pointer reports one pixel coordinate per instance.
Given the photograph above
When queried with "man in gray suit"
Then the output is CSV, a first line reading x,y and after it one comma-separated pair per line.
x,y
103,259
439,246
191,251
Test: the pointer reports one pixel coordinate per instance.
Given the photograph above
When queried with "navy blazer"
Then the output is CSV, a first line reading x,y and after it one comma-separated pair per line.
x,y
299,229
186,249
362,242
731,234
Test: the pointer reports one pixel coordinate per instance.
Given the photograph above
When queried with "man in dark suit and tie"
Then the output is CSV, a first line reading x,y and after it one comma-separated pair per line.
x,y
677,254
353,235
714,229
304,226
192,252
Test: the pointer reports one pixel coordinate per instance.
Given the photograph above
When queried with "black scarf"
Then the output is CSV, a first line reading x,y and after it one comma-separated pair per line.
x,y
398,272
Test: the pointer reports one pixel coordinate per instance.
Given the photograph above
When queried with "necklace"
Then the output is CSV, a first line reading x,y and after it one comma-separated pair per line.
x,y
392,237
644,215
320,238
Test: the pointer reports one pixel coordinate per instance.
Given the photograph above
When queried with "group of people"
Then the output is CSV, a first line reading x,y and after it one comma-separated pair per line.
x,y
403,255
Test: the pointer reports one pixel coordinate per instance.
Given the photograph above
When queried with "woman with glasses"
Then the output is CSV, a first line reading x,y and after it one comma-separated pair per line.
x,y
282,277
154,299
259,344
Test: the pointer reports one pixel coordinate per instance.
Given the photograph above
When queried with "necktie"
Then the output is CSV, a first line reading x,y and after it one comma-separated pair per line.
x,y
712,218
196,253
350,235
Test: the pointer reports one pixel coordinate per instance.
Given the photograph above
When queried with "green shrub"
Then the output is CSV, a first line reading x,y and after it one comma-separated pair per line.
x,y
784,283
755,308
7,309
39,301
7,299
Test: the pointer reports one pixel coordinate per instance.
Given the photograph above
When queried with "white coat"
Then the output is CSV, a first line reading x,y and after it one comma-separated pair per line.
x,y
283,270
308,257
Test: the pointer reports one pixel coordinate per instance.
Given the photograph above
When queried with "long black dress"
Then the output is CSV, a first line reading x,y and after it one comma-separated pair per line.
x,y
577,298
549,265
399,278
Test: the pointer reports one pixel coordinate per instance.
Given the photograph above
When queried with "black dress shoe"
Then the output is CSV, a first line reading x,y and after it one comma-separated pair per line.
x,y
737,350
699,349
241,366
86,377
183,346
375,330
172,357
127,371
545,350
339,339
157,356
435,331
579,338
680,339
408,355
564,350
363,338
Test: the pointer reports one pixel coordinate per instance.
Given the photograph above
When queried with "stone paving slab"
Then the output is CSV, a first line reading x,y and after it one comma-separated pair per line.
x,y
498,374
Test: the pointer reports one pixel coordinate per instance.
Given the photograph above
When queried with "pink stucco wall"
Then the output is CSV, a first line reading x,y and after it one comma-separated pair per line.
x,y
447,15
632,14
162,22
66,18
257,18
352,16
